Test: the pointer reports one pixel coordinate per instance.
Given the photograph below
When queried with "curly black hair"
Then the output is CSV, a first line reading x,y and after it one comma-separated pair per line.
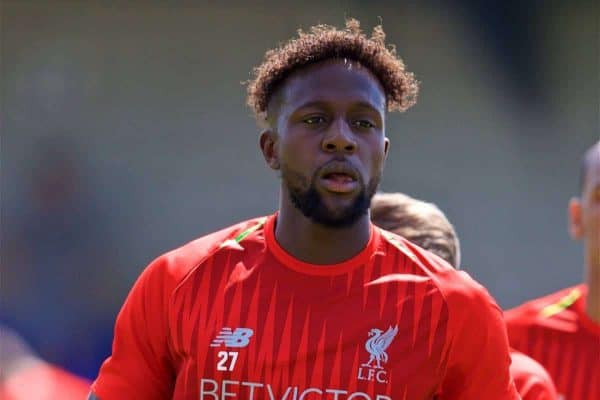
x,y
324,42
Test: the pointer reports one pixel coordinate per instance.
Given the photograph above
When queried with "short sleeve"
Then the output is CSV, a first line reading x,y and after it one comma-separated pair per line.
x,y
516,328
139,366
478,360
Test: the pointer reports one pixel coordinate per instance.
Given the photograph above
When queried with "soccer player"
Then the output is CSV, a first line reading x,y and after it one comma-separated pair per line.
x,y
313,301
427,226
23,375
562,330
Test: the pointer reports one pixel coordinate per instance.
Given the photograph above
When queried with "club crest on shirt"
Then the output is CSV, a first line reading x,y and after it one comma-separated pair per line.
x,y
376,345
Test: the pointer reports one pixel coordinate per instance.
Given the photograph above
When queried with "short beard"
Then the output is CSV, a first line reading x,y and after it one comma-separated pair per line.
x,y
305,197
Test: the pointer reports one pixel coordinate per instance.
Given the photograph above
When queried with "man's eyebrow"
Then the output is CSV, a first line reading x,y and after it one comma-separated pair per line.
x,y
367,105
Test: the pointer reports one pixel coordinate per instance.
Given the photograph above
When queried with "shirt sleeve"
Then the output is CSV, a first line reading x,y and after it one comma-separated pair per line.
x,y
531,379
43,381
478,355
516,328
140,366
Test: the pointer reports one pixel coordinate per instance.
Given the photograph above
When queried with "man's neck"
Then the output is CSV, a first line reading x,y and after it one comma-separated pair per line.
x,y
317,244
592,303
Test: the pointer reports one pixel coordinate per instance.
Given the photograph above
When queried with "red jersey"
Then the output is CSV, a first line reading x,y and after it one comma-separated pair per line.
x,y
531,379
233,316
43,381
555,331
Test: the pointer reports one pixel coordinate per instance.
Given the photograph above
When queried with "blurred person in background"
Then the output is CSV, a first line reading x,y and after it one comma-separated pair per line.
x,y
562,330
24,375
58,267
422,223
427,226
312,299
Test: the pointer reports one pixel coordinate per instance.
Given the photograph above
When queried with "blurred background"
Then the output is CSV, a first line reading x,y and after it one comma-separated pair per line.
x,y
125,134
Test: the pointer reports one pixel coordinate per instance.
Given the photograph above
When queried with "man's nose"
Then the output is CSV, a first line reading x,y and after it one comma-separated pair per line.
x,y
339,138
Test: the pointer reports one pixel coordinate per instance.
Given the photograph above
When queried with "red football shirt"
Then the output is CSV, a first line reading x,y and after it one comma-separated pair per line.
x,y
43,381
233,316
531,379
555,331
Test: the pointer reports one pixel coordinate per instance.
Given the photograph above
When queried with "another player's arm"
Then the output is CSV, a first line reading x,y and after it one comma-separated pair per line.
x,y
531,379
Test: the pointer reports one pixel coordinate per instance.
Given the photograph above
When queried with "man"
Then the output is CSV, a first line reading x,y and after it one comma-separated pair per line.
x,y
427,226
312,302
23,375
562,330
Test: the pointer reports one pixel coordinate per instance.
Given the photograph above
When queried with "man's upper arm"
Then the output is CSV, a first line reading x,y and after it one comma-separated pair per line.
x,y
517,326
479,361
139,366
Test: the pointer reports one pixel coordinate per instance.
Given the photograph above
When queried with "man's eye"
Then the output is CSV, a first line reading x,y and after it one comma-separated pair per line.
x,y
364,124
313,120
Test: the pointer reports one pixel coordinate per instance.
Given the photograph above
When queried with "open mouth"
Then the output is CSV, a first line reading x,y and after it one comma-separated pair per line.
x,y
338,177
339,180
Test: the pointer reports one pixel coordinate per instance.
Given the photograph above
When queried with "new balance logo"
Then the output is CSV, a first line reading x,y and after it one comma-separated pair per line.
x,y
229,338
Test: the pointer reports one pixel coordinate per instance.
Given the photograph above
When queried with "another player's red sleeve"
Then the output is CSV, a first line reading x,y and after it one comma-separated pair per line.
x,y
478,358
531,379
43,381
140,367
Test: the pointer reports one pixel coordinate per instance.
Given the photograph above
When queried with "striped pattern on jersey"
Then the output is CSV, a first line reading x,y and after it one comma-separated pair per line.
x,y
309,331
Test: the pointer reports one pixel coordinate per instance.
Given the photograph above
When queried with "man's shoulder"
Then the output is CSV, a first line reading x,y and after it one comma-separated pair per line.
x,y
544,308
454,285
172,267
560,299
427,262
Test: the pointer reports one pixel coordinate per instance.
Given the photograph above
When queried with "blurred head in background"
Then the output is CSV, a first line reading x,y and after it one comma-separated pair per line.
x,y
418,221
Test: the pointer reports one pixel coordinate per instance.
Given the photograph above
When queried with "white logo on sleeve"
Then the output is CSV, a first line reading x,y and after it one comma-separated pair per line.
x,y
229,338
376,345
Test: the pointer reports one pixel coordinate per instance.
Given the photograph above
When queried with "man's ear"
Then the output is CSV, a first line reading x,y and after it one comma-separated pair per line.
x,y
575,223
386,146
268,145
